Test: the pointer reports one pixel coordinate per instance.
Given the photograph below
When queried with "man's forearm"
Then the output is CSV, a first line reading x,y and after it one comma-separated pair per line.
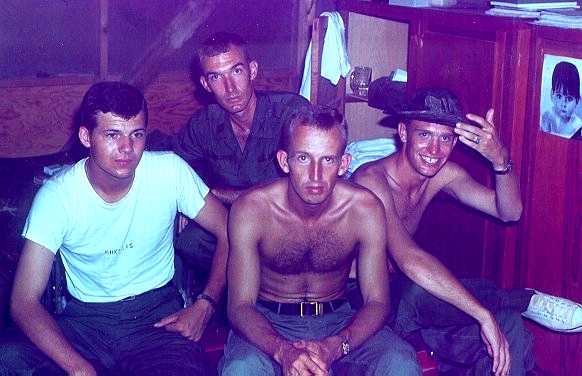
x,y
430,274
366,322
43,331
508,197
217,278
250,323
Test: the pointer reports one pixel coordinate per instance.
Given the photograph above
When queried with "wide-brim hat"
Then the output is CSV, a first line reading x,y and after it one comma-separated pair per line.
x,y
433,105
439,106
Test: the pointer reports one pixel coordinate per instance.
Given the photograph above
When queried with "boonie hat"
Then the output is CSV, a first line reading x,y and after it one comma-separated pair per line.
x,y
434,106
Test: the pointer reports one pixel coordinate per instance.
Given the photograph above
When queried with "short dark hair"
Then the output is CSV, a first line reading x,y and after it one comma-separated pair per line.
x,y
119,98
566,78
220,43
325,118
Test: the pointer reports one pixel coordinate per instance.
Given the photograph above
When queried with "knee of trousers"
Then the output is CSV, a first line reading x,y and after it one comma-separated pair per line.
x,y
247,364
513,327
14,356
401,361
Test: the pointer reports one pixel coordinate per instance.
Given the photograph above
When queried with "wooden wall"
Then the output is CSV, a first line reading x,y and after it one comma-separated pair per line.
x,y
36,116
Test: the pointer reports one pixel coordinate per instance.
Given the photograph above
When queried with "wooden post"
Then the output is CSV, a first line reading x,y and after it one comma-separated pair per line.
x,y
103,39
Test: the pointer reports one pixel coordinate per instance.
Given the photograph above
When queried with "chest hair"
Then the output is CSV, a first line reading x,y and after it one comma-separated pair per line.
x,y
312,251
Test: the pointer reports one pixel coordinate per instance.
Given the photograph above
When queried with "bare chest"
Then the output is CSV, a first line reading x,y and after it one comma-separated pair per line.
x,y
300,251
411,209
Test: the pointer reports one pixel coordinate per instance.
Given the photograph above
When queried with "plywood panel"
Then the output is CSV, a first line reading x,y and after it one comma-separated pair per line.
x,y
37,119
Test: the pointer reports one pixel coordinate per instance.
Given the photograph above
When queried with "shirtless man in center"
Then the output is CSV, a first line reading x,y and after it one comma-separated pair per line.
x,y
292,244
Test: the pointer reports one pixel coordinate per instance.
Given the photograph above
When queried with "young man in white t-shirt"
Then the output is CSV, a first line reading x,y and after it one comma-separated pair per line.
x,y
111,215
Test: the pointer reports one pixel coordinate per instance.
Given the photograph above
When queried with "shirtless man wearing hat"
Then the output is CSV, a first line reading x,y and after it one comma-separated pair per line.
x,y
471,323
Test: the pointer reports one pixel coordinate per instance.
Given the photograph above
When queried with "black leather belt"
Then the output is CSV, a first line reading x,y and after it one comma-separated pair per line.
x,y
303,308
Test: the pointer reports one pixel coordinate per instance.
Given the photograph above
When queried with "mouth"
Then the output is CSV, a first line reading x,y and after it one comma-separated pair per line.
x,y
232,98
123,162
314,190
429,160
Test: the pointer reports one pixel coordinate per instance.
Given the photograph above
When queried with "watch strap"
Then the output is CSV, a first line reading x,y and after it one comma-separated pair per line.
x,y
208,298
505,170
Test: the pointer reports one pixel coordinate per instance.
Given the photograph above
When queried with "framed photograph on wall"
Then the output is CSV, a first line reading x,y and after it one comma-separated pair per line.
x,y
560,107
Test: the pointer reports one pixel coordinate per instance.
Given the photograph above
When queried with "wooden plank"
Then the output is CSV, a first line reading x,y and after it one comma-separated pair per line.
x,y
188,19
103,39
38,119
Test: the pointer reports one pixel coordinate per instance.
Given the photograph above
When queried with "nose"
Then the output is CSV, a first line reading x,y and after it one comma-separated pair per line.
x,y
126,144
433,146
315,173
229,86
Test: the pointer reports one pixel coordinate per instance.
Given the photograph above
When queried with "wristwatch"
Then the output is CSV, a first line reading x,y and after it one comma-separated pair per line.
x,y
345,346
208,298
505,170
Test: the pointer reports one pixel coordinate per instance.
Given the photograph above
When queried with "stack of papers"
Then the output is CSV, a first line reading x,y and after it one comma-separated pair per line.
x,y
534,4
527,8
571,18
510,12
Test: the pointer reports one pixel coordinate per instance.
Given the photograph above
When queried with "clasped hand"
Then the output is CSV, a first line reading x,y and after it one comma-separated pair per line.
x,y
307,358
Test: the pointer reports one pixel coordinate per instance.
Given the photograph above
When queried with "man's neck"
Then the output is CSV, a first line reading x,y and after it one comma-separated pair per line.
x,y
242,122
107,187
308,212
405,176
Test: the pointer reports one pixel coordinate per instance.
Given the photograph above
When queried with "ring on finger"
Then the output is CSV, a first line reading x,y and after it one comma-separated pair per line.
x,y
477,140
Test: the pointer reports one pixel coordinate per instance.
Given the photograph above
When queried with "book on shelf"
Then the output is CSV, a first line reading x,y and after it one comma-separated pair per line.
x,y
568,18
515,3
548,4
562,14
512,12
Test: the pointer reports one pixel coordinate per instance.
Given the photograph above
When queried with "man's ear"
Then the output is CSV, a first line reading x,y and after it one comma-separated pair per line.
x,y
282,159
344,164
205,84
254,67
85,136
402,133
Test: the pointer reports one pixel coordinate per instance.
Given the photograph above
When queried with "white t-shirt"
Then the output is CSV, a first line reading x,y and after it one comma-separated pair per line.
x,y
115,250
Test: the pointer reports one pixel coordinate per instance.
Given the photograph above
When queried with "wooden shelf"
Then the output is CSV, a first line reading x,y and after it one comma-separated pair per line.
x,y
353,98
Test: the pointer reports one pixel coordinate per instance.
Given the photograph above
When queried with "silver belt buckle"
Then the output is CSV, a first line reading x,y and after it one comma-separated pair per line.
x,y
318,308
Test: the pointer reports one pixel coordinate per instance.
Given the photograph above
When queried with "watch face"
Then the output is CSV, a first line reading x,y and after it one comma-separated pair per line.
x,y
345,347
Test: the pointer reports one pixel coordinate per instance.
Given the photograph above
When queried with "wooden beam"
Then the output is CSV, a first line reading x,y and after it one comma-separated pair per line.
x,y
188,19
103,39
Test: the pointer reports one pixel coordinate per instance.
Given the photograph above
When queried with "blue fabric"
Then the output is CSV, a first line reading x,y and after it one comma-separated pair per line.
x,y
382,354
117,338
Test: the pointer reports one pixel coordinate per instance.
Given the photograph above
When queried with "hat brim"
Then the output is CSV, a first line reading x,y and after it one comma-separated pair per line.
x,y
431,117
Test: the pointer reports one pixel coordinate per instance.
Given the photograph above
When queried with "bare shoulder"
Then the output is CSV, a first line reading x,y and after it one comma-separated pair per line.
x,y
360,199
371,171
260,199
374,176
450,172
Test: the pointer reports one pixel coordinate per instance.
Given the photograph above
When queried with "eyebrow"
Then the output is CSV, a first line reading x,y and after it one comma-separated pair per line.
x,y
226,70
120,131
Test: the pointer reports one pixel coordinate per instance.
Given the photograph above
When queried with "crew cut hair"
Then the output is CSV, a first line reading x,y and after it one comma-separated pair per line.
x,y
119,98
220,43
324,118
